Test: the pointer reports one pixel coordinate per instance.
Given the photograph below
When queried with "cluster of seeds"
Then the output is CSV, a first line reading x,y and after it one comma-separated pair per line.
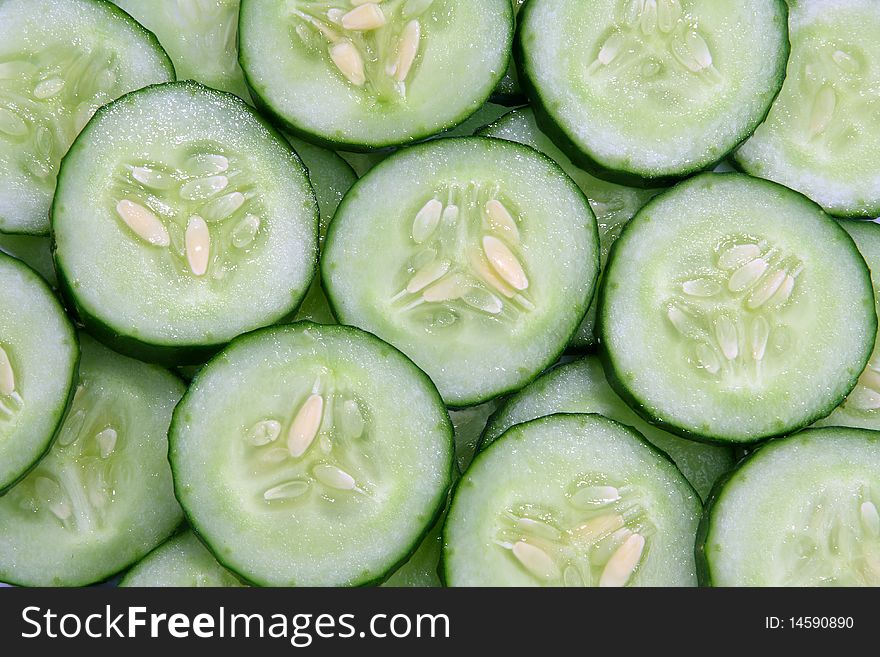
x,y
832,78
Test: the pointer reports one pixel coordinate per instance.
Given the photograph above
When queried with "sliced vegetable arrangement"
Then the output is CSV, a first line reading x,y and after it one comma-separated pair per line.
x,y
454,297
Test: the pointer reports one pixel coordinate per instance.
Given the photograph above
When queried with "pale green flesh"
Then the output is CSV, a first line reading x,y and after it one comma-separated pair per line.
x,y
33,250
581,387
226,169
801,512
469,328
421,569
659,88
460,45
38,355
342,507
612,204
735,309
821,135
180,561
51,84
575,489
199,36
102,498
862,406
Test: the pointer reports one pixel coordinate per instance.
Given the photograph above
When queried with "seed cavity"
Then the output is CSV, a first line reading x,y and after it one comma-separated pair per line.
x,y
245,232
364,17
623,562
106,440
264,432
707,358
7,374
426,221
143,222
535,560
726,334
822,112
223,206
200,189
153,178
349,62
206,164
747,275
334,477
737,255
483,300
594,496
765,291
611,49
598,528
305,426
287,491
760,337
48,88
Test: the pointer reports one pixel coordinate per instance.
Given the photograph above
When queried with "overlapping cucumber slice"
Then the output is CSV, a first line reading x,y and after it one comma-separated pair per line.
x,y
182,560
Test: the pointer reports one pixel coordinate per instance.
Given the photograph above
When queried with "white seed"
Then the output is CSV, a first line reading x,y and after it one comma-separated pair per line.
x,y
335,14
43,142
738,255
701,287
760,337
822,112
349,61
692,52
450,214
198,245
845,61
407,49
707,359
623,562
143,222
153,178
305,425
486,274
106,440
415,7
535,560
7,375
427,275
365,17
668,13
611,48
426,221
538,528
245,232
633,12
264,432
766,289
747,275
275,455
12,124
783,294
203,188
48,88
351,420
449,288
649,17
482,300
870,519
223,207
505,263
73,426
572,577
500,219
287,491
725,334
589,497
205,164
597,528
334,477
683,322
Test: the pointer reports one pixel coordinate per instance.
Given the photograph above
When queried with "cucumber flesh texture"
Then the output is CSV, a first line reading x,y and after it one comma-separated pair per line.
x,y
652,91
425,283
581,387
821,137
469,424
734,309
60,61
800,511
421,571
33,250
378,71
612,204
200,36
38,360
862,406
171,251
311,455
102,498
508,91
331,178
571,500
183,561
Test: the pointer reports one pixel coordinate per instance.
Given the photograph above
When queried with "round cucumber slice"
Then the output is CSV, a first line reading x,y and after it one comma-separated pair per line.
x,y
800,511
734,309
571,500
612,204
102,498
181,561
33,250
580,387
367,75
646,91
38,362
476,257
821,136
182,220
200,36
60,61
311,455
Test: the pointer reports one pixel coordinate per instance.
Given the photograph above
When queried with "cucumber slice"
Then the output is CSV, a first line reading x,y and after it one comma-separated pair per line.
x,y
408,258
821,136
734,309
421,571
102,498
33,250
200,36
612,204
59,61
508,91
182,220
38,361
800,511
862,406
571,500
581,387
180,561
369,76
348,491
469,424
647,91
